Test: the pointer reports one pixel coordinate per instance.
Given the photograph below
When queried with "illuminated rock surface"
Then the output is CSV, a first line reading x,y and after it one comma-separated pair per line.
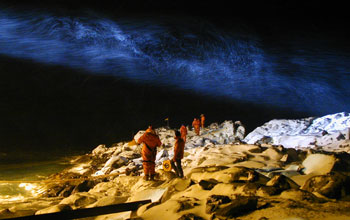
x,y
225,178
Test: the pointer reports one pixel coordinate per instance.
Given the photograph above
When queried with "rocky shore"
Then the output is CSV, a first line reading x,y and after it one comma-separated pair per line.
x,y
285,169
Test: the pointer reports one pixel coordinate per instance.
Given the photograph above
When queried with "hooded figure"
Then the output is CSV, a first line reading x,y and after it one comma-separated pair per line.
x,y
196,125
150,142
183,131
179,147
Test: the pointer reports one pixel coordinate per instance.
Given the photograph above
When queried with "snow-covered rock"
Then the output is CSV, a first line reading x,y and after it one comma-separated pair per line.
x,y
329,131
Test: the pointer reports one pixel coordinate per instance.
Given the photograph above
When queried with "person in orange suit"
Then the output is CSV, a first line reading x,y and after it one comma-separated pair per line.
x,y
179,148
150,142
196,125
202,120
183,131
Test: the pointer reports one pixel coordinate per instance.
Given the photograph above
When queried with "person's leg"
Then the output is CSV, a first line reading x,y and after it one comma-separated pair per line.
x,y
145,170
174,167
152,170
179,168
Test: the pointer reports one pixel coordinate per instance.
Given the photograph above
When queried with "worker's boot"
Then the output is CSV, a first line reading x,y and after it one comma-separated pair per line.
x,y
146,177
152,177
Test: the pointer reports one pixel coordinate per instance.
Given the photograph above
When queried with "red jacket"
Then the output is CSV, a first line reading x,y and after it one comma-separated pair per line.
x,y
179,148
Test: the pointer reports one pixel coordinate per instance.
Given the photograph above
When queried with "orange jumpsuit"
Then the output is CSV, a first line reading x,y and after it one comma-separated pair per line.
x,y
179,149
196,125
178,155
183,131
202,121
149,151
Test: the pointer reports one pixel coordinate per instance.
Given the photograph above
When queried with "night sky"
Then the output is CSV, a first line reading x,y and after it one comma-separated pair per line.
x,y
290,60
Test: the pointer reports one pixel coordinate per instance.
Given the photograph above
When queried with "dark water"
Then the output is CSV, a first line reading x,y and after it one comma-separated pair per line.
x,y
71,81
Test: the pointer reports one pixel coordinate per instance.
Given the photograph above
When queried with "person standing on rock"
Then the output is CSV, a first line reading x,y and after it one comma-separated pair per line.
x,y
179,148
202,120
183,131
196,125
150,142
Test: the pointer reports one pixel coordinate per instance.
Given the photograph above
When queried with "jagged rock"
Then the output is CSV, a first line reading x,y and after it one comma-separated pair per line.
x,y
332,185
190,216
55,208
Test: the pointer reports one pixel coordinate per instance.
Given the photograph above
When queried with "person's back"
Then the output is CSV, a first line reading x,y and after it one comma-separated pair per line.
x,y
179,148
150,142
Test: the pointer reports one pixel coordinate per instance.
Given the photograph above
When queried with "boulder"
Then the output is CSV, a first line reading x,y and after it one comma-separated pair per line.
x,y
318,164
332,185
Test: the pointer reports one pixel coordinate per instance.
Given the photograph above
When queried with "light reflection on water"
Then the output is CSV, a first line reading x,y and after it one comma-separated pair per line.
x,y
301,74
13,185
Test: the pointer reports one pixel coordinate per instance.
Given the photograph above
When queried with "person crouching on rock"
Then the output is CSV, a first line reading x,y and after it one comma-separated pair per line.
x,y
179,147
150,142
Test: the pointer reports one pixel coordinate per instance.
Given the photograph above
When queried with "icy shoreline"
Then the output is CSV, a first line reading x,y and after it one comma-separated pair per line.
x,y
301,165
